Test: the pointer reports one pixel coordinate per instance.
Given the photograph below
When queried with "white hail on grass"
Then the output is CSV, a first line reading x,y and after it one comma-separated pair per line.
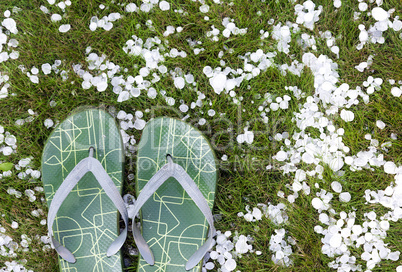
x,y
131,86
336,186
278,216
46,68
226,250
179,82
169,30
55,17
14,225
163,5
347,115
246,137
372,84
332,98
218,82
337,3
10,24
380,124
374,34
4,88
106,22
337,162
183,108
379,14
204,8
307,15
64,28
283,35
131,7
365,64
282,250
397,92
8,143
231,28
48,123
7,50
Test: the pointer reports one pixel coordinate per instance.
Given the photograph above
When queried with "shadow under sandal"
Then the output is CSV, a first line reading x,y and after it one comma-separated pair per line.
x,y
82,172
176,183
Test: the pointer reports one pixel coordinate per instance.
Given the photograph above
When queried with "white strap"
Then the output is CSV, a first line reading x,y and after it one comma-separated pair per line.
x,y
88,164
172,169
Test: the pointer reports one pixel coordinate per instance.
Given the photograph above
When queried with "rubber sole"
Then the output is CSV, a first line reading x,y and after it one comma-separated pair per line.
x,y
87,221
172,224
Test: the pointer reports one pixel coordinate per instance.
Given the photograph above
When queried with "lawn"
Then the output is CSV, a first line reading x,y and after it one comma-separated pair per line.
x,y
300,101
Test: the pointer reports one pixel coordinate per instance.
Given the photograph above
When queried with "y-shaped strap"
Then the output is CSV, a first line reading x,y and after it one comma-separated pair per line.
x,y
88,164
172,169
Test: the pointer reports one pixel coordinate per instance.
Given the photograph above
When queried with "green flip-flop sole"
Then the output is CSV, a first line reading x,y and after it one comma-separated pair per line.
x,y
87,221
172,224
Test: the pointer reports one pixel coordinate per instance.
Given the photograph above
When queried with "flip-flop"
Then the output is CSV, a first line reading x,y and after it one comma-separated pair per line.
x,y
82,172
176,182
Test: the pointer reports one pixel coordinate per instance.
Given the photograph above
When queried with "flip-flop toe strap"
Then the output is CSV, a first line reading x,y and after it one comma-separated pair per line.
x,y
88,164
172,169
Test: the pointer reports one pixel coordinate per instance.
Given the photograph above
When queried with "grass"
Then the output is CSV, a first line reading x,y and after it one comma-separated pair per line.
x,y
244,179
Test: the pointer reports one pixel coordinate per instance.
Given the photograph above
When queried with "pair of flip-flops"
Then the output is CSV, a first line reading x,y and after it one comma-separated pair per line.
x,y
83,169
